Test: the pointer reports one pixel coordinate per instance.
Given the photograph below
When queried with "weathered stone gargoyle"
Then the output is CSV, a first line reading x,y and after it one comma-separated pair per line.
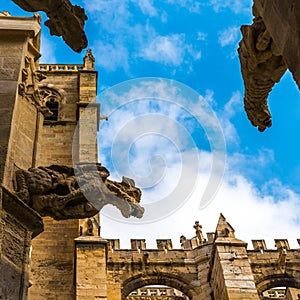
x,y
262,66
63,192
65,19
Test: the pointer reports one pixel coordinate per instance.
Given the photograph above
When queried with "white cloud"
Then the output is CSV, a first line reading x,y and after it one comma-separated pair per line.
x,y
237,6
233,106
242,163
266,212
201,36
111,56
253,215
168,50
146,7
229,36
136,38
171,50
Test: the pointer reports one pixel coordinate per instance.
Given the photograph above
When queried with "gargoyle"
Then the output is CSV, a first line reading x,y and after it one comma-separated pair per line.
x,y
65,20
262,66
63,192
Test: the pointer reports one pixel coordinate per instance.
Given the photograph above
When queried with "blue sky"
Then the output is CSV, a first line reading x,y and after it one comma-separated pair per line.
x,y
194,43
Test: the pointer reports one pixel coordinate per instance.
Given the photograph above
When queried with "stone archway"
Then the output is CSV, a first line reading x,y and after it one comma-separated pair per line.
x,y
142,280
275,280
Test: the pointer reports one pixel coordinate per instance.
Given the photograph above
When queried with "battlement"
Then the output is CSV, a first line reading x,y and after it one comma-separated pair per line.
x,y
280,244
190,244
224,230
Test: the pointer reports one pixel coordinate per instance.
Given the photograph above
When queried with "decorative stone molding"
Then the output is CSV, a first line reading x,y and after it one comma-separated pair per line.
x,y
14,24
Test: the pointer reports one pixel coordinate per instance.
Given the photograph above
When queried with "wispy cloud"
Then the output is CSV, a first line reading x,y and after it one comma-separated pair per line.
x,y
146,7
237,6
201,36
229,36
233,106
129,39
191,5
111,56
169,50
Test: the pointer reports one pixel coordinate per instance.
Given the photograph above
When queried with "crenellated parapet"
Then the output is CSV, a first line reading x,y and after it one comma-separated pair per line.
x,y
213,266
274,267
191,244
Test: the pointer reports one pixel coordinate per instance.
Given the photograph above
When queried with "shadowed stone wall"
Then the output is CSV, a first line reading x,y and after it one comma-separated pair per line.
x,y
19,53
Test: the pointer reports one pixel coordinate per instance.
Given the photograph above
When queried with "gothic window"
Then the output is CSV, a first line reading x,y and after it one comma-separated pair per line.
x,y
51,99
53,105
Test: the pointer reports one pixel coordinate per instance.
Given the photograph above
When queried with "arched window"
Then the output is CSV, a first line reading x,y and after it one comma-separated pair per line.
x,y
53,105
52,99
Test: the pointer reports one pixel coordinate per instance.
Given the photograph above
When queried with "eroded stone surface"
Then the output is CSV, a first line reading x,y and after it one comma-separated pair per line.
x,y
65,20
66,193
262,66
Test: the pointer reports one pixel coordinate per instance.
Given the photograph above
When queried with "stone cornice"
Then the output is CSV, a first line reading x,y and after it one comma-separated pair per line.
x,y
29,25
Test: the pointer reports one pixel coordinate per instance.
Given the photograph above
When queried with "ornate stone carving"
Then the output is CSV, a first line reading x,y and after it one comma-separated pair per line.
x,y
66,193
28,88
262,66
199,233
65,19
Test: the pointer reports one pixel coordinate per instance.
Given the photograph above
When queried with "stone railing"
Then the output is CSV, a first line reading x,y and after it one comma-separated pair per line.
x,y
60,67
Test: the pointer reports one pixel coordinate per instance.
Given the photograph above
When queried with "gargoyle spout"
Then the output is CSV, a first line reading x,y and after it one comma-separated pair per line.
x,y
62,192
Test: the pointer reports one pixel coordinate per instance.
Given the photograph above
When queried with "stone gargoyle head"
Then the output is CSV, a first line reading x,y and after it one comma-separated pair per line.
x,y
63,192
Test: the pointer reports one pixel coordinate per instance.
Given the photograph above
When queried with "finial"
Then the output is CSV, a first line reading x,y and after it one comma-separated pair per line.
x,y
89,60
224,229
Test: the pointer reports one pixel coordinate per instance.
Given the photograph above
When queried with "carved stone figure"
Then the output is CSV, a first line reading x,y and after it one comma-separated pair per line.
x,y
262,66
65,20
66,193
199,233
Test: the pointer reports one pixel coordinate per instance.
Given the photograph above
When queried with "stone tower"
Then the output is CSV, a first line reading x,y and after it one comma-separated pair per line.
x,y
68,90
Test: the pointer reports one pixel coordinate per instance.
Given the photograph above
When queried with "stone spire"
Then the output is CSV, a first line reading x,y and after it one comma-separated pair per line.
x,y
224,229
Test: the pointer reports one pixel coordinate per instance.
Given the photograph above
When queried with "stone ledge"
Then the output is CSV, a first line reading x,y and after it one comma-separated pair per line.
x,y
90,240
30,25
22,212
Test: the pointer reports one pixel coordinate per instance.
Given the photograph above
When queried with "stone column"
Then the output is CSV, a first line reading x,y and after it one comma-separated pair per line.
x,y
19,52
90,267
88,112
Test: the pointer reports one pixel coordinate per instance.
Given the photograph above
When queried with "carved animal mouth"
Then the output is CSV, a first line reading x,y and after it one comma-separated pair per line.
x,y
124,191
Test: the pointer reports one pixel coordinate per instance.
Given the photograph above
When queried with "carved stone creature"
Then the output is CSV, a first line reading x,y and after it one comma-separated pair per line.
x,y
66,193
65,20
262,66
